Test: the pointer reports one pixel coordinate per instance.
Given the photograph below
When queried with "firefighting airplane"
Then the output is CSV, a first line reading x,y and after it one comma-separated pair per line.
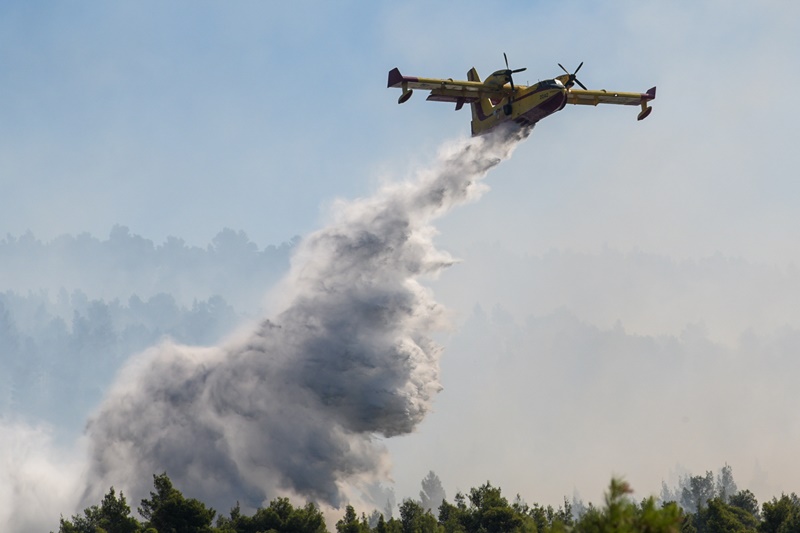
x,y
497,100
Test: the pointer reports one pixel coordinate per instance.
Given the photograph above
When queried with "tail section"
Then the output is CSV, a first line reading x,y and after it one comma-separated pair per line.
x,y
482,109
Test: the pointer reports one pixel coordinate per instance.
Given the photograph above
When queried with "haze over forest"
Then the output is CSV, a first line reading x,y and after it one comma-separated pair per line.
x,y
74,309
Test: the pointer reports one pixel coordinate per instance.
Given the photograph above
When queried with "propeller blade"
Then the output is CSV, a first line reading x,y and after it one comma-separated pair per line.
x,y
509,72
572,77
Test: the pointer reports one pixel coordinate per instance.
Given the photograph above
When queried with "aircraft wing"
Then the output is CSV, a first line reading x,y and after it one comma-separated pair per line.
x,y
577,96
448,90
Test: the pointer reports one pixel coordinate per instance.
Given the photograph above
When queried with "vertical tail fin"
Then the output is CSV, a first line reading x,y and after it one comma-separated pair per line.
x,y
482,109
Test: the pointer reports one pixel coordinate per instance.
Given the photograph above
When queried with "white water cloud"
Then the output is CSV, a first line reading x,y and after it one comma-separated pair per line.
x,y
38,480
294,405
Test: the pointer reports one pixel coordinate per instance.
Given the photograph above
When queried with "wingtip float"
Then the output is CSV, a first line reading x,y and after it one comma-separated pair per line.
x,y
497,100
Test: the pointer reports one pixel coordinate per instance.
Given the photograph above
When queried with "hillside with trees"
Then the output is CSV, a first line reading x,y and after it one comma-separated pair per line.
x,y
124,264
74,309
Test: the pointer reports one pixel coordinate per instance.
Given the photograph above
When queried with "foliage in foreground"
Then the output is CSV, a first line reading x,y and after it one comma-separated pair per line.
x,y
483,510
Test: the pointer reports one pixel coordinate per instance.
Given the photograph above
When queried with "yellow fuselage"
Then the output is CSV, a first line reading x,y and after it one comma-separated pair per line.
x,y
526,107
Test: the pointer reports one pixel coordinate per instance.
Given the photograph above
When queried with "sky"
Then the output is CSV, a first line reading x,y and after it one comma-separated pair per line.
x,y
635,284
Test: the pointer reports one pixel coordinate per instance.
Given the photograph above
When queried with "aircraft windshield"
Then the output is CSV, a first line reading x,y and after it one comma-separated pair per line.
x,y
551,84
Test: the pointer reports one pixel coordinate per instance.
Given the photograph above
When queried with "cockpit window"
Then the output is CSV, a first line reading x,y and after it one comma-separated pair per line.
x,y
550,84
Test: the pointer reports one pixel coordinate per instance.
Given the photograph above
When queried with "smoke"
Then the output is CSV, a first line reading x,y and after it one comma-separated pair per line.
x,y
299,403
37,479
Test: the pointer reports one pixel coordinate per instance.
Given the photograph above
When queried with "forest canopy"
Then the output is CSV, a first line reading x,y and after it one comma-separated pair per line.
x,y
704,505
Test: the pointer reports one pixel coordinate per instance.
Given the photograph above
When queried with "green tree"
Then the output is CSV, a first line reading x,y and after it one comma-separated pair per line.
x,y
307,519
279,516
718,517
452,517
491,512
232,523
546,518
272,517
415,519
115,514
781,515
381,526
488,512
622,515
744,499
697,490
350,523
168,511
112,516
394,525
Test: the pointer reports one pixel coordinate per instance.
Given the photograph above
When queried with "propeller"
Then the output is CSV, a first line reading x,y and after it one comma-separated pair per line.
x,y
509,72
572,79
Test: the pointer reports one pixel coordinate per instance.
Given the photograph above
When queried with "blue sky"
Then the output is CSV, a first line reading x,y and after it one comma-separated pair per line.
x,y
182,118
